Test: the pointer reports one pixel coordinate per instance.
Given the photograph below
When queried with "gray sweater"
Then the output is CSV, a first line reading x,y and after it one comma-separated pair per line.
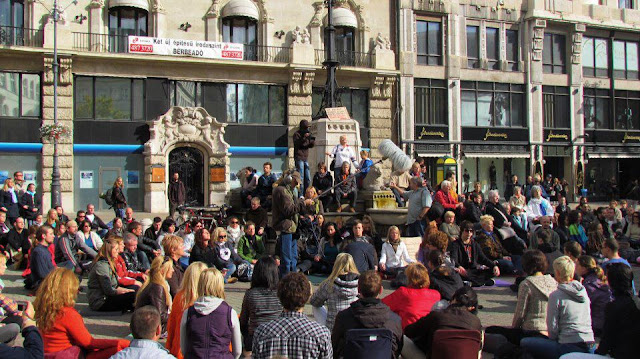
x,y
533,297
569,314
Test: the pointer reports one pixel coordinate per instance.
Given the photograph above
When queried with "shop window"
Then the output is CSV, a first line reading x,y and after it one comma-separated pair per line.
x,y
554,54
19,95
625,59
430,102
556,106
256,104
488,104
511,37
596,109
125,22
109,98
627,107
595,57
429,42
242,30
493,48
473,47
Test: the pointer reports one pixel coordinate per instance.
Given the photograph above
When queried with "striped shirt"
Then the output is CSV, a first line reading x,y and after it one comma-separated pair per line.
x,y
259,306
292,335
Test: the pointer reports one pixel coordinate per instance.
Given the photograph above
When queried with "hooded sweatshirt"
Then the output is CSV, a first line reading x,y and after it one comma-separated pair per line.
x,y
599,295
205,306
533,297
337,295
366,313
569,314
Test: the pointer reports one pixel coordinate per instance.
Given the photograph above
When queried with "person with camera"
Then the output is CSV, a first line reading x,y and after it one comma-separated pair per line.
x,y
302,142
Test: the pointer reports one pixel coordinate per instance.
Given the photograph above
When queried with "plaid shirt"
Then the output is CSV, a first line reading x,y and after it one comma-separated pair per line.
x,y
8,306
292,335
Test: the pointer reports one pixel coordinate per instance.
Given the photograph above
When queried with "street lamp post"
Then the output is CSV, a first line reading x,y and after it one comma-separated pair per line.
x,y
330,96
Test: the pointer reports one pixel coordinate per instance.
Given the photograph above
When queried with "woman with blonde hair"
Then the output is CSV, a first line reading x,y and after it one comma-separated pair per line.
x,y
225,256
118,198
210,324
339,290
394,255
62,328
155,290
52,218
105,295
173,247
185,298
9,201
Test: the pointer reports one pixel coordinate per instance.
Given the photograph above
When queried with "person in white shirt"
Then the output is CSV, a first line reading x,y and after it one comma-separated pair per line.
x,y
394,255
537,207
342,153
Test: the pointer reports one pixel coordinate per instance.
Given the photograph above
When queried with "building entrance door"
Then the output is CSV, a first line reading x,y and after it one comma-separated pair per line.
x,y
108,176
189,163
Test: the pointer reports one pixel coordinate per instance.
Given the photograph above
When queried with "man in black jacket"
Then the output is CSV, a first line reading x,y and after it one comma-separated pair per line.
x,y
148,245
302,142
97,224
18,237
473,208
176,192
471,262
368,312
362,251
135,259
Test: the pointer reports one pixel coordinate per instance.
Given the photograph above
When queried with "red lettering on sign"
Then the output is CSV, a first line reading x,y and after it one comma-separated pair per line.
x,y
140,48
226,54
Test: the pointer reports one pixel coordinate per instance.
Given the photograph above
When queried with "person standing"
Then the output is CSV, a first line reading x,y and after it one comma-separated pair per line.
x,y
265,185
342,153
30,204
419,201
18,181
176,192
119,200
9,201
302,142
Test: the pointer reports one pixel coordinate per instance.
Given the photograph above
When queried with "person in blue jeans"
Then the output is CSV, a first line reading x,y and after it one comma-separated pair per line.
x,y
303,140
568,317
419,201
224,255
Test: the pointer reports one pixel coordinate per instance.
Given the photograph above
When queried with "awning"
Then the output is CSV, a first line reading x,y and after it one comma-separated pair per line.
x,y
140,4
241,8
344,17
496,155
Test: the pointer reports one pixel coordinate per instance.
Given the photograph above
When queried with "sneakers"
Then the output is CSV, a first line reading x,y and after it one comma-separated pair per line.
x,y
232,280
490,283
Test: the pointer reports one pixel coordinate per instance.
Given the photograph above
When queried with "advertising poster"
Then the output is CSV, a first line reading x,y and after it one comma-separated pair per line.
x,y
86,179
3,176
30,177
133,179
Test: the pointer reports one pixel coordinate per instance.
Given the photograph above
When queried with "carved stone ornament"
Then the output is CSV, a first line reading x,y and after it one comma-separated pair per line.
x,y
157,7
186,125
96,4
382,43
301,83
301,36
214,10
576,44
65,76
538,40
381,88
316,21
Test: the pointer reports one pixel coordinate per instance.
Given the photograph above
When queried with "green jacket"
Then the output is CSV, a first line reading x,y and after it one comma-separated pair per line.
x,y
103,283
250,252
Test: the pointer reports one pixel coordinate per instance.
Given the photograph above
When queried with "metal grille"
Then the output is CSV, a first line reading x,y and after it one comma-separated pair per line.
x,y
189,164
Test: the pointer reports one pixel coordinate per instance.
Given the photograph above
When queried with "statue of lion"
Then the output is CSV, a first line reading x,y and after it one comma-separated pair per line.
x,y
373,180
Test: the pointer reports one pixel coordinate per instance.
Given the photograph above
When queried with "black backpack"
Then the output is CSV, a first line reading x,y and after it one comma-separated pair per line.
x,y
108,197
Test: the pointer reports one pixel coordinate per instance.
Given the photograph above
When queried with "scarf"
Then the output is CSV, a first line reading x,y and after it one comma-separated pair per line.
x,y
33,194
395,244
14,198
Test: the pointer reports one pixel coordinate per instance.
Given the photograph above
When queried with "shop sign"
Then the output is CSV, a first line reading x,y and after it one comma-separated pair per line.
x,y
495,134
185,48
432,133
612,136
557,135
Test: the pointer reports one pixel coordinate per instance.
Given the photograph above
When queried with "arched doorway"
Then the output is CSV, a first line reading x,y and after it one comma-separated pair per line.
x,y
189,163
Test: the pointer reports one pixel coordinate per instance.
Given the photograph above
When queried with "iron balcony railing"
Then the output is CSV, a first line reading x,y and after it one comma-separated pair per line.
x,y
20,36
267,53
347,58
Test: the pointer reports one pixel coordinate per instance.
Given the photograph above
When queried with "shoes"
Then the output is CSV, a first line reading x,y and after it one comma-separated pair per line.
x,y
490,283
339,209
352,210
514,288
232,280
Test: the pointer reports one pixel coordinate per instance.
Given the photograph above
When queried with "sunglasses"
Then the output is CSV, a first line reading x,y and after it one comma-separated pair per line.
x,y
469,230
234,222
222,236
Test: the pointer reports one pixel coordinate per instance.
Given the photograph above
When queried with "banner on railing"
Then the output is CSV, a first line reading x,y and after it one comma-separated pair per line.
x,y
189,48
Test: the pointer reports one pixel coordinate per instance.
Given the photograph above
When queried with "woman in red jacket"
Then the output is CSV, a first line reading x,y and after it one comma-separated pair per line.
x,y
126,278
416,299
62,327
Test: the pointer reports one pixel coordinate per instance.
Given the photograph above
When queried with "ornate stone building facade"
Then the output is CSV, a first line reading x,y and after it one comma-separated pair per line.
x,y
120,101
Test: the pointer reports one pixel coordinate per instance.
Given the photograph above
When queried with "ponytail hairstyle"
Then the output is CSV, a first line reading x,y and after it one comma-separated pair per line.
x,y
589,263
437,261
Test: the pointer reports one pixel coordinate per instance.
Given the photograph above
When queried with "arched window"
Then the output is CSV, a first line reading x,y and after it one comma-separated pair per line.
x,y
11,22
242,30
346,23
123,22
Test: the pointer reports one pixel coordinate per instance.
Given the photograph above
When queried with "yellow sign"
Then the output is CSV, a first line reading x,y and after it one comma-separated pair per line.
x,y
557,136
490,134
628,137
424,133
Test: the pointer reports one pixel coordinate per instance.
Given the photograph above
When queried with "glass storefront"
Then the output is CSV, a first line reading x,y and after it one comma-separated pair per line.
x,y
492,173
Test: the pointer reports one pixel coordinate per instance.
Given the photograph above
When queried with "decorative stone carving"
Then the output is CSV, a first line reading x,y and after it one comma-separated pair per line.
x,y
157,7
96,4
576,44
373,180
382,43
301,83
316,20
381,88
214,10
301,36
65,76
538,39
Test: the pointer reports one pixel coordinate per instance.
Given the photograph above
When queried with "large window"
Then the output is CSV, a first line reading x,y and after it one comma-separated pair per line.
x,y
627,110
430,102
596,109
595,57
429,42
489,104
11,22
357,103
19,95
109,98
625,59
123,22
493,48
556,106
473,47
625,4
511,37
554,54
241,30
256,103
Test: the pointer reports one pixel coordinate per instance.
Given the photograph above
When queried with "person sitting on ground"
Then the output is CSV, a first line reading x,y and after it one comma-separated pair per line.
x,y
12,321
545,226
264,187
399,183
470,261
328,249
338,291
67,251
595,282
146,330
126,278
517,200
362,251
185,298
260,303
128,216
449,226
492,247
546,246
155,290
249,185
443,196
62,327
443,277
189,239
168,228
537,207
118,228
202,250
323,181
394,255
40,259
16,242
610,250
32,347
105,295
251,246
154,230
473,208
97,224
293,334
234,232
436,240
368,312
595,240
149,246
135,259
174,249
633,229
92,241
568,317
210,325
346,188
416,299
224,257
419,201
258,215
459,315
315,208
519,222
576,229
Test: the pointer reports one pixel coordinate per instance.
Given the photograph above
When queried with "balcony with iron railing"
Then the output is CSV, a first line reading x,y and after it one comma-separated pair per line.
x,y
348,58
20,36
83,41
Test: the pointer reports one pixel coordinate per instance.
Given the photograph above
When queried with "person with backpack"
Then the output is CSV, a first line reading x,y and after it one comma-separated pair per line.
x,y
118,200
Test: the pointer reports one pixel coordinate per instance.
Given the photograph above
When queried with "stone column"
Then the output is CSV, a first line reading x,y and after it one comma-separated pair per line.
x,y
299,105
96,18
533,47
211,22
407,64
380,116
65,145
575,105
159,14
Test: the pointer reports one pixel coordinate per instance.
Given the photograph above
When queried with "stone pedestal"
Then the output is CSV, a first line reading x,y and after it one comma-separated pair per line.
x,y
384,59
302,54
327,133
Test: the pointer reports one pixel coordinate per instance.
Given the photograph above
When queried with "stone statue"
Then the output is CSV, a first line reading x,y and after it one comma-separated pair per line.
x,y
373,180
301,36
382,43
